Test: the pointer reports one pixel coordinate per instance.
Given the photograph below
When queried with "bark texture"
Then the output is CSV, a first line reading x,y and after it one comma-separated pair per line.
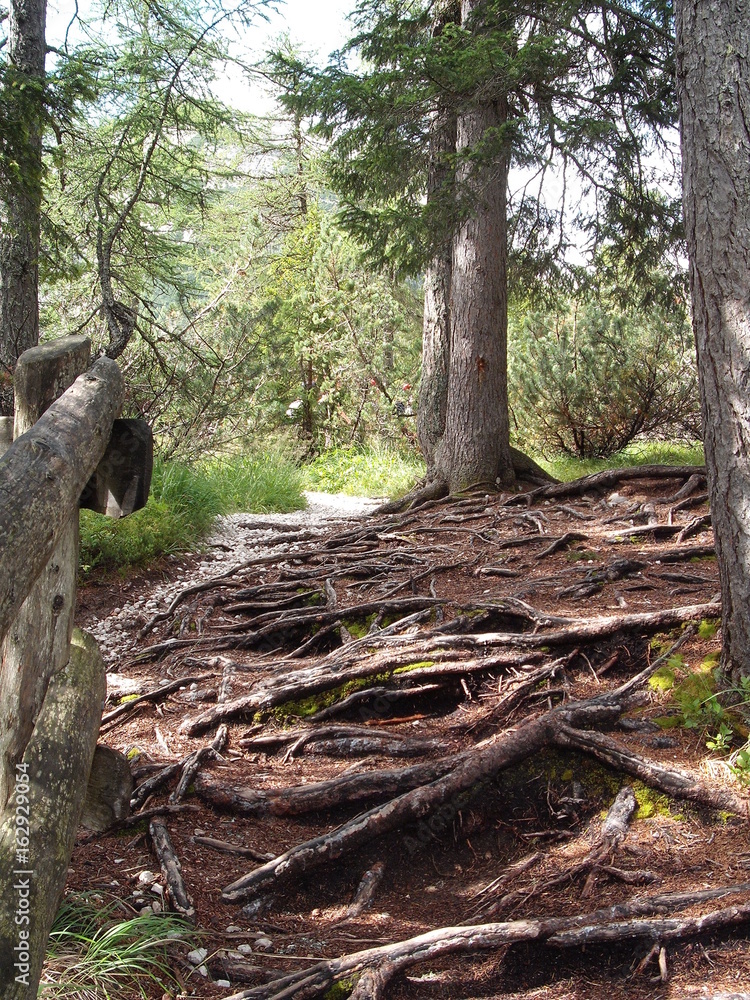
x,y
475,448
21,193
713,69
433,386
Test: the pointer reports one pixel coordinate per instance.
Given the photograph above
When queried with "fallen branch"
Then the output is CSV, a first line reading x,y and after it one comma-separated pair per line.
x,y
177,895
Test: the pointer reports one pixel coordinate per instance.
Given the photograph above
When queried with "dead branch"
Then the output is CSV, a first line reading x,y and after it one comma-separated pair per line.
x,y
177,895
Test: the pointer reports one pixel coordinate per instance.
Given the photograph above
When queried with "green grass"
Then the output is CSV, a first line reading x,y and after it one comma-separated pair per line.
x,y
183,504
567,467
372,471
93,953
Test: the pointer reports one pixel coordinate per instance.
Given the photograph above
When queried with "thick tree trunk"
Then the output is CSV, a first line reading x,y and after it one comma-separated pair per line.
x,y
476,445
22,192
713,56
433,386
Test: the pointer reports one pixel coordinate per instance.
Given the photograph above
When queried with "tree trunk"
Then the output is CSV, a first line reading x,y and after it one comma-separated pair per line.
x,y
21,191
713,55
476,445
433,386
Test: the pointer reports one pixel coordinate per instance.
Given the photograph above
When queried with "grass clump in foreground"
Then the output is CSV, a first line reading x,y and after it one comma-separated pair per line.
x,y
377,470
94,953
568,467
183,504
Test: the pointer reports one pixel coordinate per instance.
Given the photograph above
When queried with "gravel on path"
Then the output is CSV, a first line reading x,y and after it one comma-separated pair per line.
x,y
235,539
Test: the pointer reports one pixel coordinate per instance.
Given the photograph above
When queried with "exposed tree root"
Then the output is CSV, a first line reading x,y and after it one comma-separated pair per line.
x,y
453,790
617,923
670,781
606,480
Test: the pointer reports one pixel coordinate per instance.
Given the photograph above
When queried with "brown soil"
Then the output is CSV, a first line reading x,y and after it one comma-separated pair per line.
x,y
440,873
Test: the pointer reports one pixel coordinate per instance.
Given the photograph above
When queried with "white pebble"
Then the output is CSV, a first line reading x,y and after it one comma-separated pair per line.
x,y
198,956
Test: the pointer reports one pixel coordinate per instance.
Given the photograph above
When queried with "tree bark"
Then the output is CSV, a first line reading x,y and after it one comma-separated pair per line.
x,y
713,56
433,386
20,211
476,445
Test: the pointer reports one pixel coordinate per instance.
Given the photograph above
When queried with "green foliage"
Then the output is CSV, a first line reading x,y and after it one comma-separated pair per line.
x,y
581,95
182,506
377,470
588,379
93,952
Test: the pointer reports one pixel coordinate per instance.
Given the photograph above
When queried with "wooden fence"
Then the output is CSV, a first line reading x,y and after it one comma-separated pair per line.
x,y
52,680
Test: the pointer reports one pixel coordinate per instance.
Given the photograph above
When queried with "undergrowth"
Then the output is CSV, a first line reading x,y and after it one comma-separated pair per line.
x,y
183,504
567,468
376,470
93,952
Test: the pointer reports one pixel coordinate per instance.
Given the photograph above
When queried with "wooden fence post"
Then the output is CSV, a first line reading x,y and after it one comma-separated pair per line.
x,y
51,692
38,644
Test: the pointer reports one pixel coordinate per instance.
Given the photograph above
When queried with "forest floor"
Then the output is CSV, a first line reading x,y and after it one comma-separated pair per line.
x,y
424,722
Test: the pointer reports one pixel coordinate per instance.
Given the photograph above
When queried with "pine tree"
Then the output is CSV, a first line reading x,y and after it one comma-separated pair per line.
x,y
545,90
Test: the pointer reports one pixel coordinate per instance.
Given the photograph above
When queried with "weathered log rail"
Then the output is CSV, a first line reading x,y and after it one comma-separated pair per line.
x,y
52,681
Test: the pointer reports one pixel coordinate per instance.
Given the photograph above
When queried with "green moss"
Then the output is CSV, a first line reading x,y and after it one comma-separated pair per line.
x,y
663,679
414,666
306,707
668,721
581,555
708,628
341,989
127,697
651,803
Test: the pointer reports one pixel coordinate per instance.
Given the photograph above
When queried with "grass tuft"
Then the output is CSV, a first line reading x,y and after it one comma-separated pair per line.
x,y
184,503
93,953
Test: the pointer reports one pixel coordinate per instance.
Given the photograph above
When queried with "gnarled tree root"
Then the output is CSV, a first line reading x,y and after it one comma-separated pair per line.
x,y
623,922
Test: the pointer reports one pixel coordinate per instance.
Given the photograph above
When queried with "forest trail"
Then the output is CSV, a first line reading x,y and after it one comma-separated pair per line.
x,y
423,755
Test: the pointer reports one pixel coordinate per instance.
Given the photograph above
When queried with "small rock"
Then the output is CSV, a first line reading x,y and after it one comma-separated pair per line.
x,y
244,949
198,956
614,499
263,943
233,928
146,878
222,982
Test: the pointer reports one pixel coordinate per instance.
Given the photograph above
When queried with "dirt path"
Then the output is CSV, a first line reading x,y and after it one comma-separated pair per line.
x,y
235,539
407,703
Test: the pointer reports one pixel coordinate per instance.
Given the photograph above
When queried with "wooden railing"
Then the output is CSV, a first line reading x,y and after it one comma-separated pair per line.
x,y
52,681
